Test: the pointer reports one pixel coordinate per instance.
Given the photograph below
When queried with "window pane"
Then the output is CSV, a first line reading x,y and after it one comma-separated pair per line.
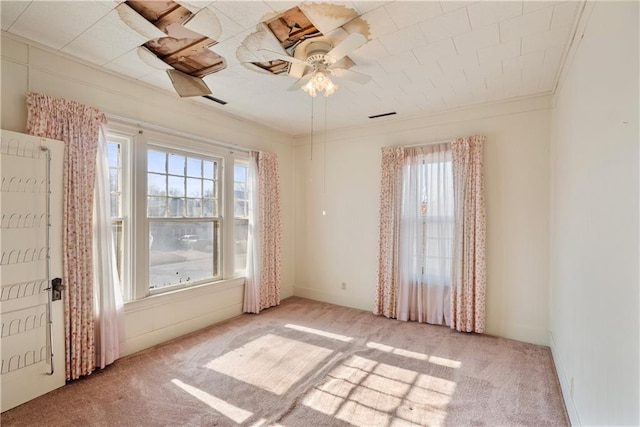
x,y
115,209
175,207
156,161
156,206
182,252
239,189
240,173
207,168
194,187
176,186
240,243
208,208
156,184
240,208
207,188
194,167
113,154
113,179
176,164
194,208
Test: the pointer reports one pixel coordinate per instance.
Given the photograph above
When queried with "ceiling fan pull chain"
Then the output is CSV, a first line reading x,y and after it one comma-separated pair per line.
x,y
311,129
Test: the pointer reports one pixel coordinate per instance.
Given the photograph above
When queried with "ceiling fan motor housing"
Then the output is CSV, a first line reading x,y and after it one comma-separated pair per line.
x,y
316,52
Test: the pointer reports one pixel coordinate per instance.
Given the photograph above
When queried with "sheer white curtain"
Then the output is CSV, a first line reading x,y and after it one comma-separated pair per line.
x,y
426,233
107,297
252,287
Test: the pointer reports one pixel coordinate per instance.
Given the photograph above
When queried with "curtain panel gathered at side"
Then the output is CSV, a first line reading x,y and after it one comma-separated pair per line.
x,y
389,237
264,250
469,280
78,126
431,264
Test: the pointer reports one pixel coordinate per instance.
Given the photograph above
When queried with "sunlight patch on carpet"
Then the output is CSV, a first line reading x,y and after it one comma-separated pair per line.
x,y
319,332
365,392
442,361
238,415
271,362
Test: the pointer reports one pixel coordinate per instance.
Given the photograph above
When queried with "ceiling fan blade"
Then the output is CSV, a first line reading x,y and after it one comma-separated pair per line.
x,y
270,55
352,42
350,75
300,82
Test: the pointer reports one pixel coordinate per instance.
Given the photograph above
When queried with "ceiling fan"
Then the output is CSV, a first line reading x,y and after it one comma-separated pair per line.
x,y
322,60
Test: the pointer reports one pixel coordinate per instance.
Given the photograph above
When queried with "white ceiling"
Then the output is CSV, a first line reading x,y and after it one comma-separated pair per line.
x,y
423,56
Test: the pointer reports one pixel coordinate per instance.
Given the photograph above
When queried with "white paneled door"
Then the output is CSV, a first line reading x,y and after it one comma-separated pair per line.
x,y
32,340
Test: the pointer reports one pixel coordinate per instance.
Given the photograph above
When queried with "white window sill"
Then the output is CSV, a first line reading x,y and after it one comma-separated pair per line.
x,y
182,294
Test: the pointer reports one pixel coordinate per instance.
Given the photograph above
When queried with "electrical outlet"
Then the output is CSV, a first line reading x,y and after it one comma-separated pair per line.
x,y
344,286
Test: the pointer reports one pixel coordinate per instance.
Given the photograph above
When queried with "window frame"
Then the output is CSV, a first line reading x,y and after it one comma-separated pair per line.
x,y
136,261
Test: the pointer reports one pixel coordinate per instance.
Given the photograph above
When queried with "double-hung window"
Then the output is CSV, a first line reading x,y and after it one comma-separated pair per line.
x,y
179,211
183,216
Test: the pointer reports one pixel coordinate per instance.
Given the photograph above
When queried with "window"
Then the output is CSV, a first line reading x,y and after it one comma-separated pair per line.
x,y
169,209
241,216
183,212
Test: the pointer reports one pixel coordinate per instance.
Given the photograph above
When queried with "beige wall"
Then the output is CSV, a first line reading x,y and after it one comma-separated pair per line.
x,y
341,246
154,320
594,278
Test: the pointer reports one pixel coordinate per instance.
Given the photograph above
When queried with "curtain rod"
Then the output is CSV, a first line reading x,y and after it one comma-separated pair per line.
x,y
174,132
446,141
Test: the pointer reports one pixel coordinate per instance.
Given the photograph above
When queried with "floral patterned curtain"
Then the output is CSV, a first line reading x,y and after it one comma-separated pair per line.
x,y
389,238
262,289
78,126
468,287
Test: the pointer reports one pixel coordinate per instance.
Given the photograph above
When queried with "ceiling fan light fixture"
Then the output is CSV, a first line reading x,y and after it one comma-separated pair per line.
x,y
320,82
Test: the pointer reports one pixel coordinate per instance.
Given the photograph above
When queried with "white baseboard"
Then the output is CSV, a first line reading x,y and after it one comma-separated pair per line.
x,y
342,299
565,384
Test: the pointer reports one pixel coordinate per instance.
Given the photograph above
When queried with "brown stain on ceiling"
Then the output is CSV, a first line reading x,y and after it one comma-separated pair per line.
x,y
182,49
291,27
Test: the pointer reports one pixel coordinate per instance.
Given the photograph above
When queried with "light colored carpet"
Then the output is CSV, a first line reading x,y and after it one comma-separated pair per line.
x,y
307,363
